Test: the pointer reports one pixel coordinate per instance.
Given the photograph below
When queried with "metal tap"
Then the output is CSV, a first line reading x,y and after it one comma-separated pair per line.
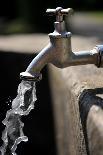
x,y
59,51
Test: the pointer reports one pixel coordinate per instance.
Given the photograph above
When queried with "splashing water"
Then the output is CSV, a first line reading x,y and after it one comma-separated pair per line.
x,y
21,106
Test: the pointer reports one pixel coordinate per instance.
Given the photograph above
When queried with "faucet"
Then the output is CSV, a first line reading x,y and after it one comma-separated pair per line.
x,y
59,51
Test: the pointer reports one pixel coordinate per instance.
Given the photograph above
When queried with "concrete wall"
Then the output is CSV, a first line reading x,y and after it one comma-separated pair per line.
x,y
77,100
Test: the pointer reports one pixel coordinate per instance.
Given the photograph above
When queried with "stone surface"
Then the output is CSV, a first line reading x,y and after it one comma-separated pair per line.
x,y
95,130
76,91
30,43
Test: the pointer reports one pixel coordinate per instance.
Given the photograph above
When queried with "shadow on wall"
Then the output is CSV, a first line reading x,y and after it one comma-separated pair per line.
x,y
87,100
39,123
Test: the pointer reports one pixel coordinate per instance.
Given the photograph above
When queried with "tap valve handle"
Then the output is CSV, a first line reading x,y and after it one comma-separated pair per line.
x,y
59,12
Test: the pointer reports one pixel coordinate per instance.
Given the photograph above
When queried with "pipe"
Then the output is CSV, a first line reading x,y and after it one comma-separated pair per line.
x,y
33,70
84,57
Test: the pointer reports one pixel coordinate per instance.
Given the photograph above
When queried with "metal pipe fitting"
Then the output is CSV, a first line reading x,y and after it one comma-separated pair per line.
x,y
99,49
59,51
84,57
33,70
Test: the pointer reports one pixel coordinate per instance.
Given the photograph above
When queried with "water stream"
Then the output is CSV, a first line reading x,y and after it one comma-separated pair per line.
x,y
21,106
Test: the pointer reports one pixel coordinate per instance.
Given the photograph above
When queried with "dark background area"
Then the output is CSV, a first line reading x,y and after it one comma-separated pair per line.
x,y
30,16
39,125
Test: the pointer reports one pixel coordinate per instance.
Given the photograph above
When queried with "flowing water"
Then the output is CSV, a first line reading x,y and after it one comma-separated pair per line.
x,y
21,106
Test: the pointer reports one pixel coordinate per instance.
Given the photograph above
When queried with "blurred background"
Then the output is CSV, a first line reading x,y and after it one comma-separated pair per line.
x,y
27,16
23,32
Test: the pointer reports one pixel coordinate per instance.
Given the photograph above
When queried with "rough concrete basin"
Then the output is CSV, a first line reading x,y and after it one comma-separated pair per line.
x,y
78,101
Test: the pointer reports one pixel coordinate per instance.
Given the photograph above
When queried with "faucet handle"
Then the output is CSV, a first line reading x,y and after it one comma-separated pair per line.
x,y
59,12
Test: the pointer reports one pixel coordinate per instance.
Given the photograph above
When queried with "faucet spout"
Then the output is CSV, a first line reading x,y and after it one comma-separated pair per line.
x,y
55,52
33,70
